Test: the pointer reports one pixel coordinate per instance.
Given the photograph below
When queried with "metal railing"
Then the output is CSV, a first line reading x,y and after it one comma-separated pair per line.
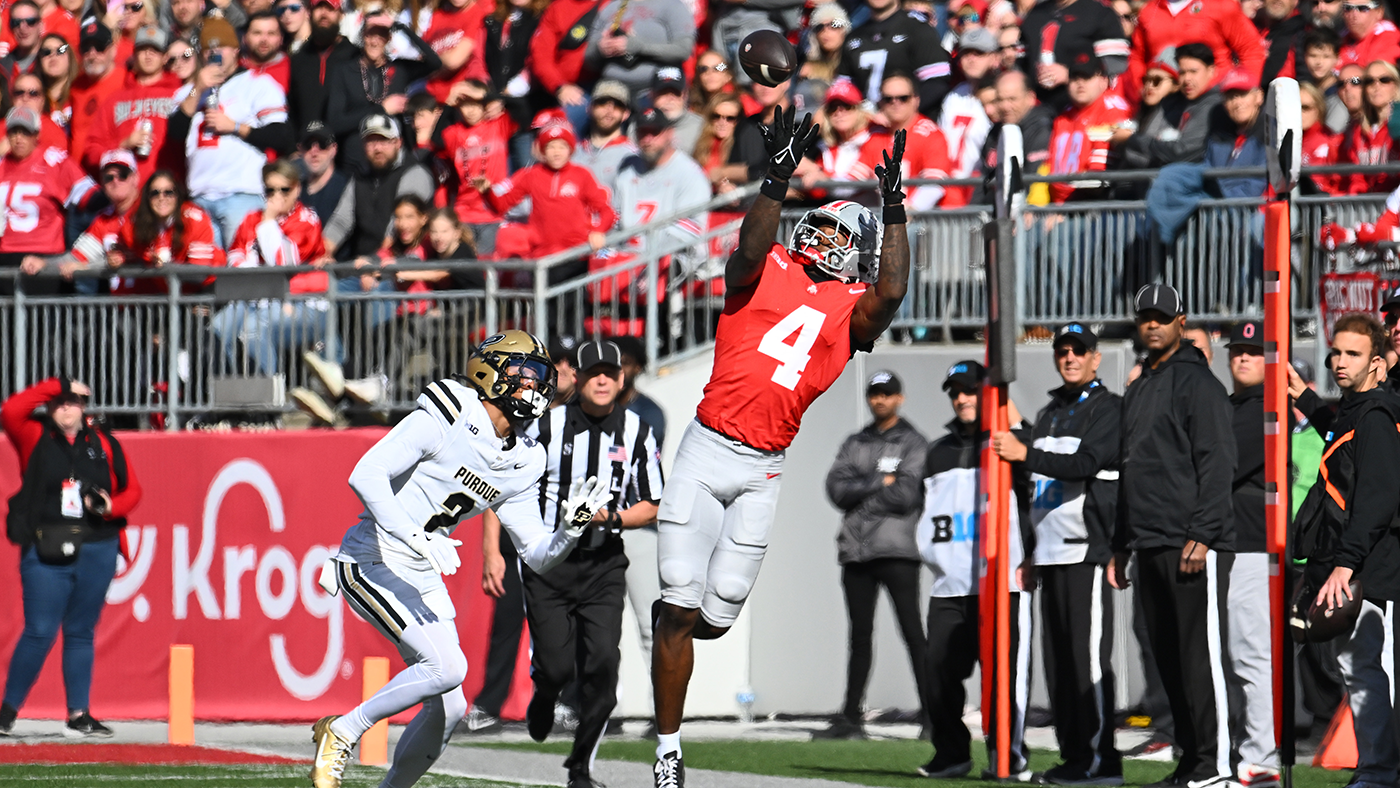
x,y
167,358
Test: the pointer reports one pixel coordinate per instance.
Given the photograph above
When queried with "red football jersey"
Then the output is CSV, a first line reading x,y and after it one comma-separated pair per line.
x,y
780,343
91,247
196,248
1382,43
477,151
925,156
118,115
448,29
35,192
1079,140
300,243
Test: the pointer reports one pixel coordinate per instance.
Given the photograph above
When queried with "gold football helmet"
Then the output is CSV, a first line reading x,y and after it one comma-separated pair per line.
x,y
510,363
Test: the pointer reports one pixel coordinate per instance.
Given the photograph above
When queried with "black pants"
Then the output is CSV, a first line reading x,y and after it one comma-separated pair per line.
x,y
506,622
1076,607
862,581
954,647
1175,607
575,615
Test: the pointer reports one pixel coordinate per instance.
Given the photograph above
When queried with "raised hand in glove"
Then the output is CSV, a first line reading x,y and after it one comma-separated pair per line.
x,y
890,175
439,550
787,143
586,498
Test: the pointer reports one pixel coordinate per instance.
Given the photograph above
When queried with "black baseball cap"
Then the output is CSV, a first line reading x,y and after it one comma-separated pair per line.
x,y
1392,301
1086,66
591,354
652,121
668,78
885,382
561,348
1249,333
1076,332
965,374
316,131
1162,298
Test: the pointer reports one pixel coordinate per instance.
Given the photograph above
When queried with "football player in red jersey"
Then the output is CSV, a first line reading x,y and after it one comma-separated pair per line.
x,y
792,319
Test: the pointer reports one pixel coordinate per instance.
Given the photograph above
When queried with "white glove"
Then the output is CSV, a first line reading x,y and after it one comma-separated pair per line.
x,y
586,497
441,551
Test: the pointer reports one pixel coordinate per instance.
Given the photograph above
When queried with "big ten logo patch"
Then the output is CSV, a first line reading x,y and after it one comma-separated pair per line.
x,y
959,527
1049,494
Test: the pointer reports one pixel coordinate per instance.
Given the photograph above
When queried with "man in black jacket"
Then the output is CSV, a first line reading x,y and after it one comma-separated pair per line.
x,y
306,93
877,483
1347,528
1174,505
1073,463
1251,651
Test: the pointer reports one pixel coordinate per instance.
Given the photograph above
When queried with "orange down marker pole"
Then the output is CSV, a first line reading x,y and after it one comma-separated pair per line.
x,y
1277,354
374,745
180,727
995,537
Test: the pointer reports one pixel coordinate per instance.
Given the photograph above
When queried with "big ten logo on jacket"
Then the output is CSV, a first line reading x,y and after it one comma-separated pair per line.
x,y
1057,510
950,529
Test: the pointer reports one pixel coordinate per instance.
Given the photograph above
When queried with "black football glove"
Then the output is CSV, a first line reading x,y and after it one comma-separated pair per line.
x,y
787,142
889,174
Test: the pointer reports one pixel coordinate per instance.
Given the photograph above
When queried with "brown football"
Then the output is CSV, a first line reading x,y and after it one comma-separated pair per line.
x,y
767,57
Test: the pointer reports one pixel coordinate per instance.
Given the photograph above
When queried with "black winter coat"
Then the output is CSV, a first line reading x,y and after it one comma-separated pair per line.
x,y
878,520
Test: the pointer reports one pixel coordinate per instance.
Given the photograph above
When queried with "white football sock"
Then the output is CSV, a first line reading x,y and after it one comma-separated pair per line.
x,y
668,742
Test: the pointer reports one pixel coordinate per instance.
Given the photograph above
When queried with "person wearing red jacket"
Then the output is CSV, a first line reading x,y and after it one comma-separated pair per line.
x,y
478,146
1367,140
1219,24
568,207
76,490
1369,35
284,232
1080,136
1320,145
925,147
556,54
134,117
164,229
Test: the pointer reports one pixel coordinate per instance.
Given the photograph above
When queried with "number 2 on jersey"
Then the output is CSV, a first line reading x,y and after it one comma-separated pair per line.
x,y
793,358
454,507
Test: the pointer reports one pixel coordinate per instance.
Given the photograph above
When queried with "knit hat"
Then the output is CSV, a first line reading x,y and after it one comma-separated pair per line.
x,y
1166,61
556,131
217,32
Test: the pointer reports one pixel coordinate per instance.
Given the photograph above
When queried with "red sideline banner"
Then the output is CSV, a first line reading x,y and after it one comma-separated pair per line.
x,y
1343,294
229,541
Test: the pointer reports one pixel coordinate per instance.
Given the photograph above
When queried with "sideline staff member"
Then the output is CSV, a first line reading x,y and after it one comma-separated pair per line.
x,y
67,518
1347,525
1174,504
1073,463
575,611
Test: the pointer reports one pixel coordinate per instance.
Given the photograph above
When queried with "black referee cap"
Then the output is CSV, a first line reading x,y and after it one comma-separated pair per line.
x,y
591,354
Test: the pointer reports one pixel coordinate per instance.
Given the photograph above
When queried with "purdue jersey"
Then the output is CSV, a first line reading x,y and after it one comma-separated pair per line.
x,y
443,464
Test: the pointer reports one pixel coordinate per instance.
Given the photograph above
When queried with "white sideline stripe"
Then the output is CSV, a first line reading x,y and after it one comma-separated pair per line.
x,y
1217,669
1095,666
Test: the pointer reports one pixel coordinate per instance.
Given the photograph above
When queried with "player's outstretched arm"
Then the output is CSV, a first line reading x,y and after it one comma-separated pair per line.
x,y
787,144
877,307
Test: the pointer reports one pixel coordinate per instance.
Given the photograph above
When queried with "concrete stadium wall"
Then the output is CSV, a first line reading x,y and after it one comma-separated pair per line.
x,y
790,644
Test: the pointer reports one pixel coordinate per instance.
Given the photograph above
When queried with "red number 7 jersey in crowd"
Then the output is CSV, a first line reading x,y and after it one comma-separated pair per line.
x,y
780,343
34,193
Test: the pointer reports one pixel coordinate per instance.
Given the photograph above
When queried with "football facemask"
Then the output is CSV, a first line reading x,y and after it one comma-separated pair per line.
x,y
835,238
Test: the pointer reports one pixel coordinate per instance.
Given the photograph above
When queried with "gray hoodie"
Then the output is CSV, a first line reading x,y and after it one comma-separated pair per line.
x,y
879,520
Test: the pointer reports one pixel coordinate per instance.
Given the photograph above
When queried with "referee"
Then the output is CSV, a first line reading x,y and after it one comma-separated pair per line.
x,y
575,611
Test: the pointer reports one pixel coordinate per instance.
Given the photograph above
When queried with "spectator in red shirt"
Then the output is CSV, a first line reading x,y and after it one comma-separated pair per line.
x,y
122,186
262,49
1369,35
1079,140
925,147
28,91
58,67
1319,143
478,146
1219,24
101,77
132,15
556,55
36,188
848,142
165,229
134,117
1368,140
568,206
284,232
26,26
457,34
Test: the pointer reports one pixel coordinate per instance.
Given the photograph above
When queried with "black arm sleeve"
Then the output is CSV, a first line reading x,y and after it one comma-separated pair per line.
x,y
274,136
1377,490
1210,430
1098,449
1318,411
177,130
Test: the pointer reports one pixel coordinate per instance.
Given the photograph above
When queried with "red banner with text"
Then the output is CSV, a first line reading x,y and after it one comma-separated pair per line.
x,y
229,541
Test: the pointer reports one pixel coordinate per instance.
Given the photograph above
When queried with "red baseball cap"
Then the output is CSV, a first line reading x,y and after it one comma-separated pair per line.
x,y
1238,79
844,91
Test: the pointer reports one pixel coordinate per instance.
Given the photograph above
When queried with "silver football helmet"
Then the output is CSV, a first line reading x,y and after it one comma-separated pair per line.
x,y
818,241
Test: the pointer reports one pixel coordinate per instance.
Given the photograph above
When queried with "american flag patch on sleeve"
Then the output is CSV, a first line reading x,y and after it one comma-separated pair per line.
x,y
617,454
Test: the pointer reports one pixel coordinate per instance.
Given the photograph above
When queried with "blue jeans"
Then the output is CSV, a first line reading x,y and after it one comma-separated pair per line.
x,y
228,212
71,596
267,329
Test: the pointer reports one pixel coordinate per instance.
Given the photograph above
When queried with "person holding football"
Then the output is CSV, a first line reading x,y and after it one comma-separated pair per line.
x,y
792,319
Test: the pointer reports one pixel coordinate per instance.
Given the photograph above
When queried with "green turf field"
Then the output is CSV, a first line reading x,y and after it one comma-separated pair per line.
x,y
85,775
881,762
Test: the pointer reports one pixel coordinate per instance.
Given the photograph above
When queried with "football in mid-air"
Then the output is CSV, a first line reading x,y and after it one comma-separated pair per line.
x,y
767,57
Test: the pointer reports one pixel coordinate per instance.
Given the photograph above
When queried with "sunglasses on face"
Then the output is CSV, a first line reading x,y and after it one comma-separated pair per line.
x,y
896,99
31,93
116,175
86,48
830,26
960,391
62,49
132,8
290,8
23,21
173,59
313,146
1355,82
1064,350
838,106
163,193
1153,82
1348,8
1391,318
1310,108
268,191
1386,80
718,68
726,118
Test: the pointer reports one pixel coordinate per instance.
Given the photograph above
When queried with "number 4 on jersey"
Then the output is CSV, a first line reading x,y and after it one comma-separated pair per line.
x,y
792,358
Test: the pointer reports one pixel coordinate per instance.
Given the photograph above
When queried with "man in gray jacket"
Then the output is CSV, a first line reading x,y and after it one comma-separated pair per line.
x,y
877,482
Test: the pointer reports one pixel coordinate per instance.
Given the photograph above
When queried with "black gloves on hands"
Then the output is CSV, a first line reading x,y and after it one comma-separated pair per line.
x,y
787,144
891,179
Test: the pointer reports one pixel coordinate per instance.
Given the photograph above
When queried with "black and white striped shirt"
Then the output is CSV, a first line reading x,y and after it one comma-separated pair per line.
x,y
619,445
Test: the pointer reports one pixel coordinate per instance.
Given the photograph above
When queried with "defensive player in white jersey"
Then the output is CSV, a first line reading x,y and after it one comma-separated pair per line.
x,y
462,451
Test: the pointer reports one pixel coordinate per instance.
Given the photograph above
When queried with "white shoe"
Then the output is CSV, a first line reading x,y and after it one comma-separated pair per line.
x,y
332,754
366,391
329,373
312,403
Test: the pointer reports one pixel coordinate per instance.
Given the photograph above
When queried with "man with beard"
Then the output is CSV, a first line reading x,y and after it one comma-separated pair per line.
x,y
605,147
262,49
306,93
661,181
183,18
391,176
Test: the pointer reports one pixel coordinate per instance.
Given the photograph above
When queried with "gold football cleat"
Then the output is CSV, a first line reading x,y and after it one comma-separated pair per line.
x,y
332,754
